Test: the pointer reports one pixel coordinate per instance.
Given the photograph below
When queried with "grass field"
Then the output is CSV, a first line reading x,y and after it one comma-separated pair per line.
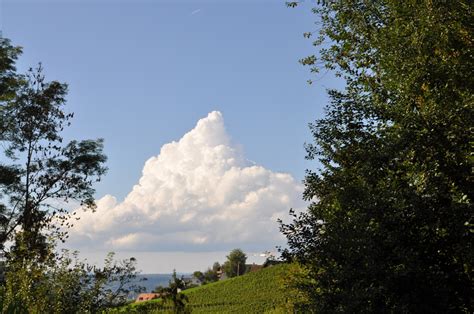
x,y
258,292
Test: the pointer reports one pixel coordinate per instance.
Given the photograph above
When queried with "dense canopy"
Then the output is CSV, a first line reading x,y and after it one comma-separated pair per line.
x,y
390,225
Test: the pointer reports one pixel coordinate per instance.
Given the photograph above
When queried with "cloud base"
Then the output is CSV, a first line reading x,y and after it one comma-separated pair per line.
x,y
198,194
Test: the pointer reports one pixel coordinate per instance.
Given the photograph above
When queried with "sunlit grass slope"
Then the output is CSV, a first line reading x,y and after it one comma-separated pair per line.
x,y
257,292
251,293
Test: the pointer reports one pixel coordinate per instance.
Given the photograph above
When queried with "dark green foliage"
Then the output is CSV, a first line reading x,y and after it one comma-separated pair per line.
x,y
159,289
9,80
39,175
235,264
42,170
210,275
64,284
389,228
216,266
198,275
173,295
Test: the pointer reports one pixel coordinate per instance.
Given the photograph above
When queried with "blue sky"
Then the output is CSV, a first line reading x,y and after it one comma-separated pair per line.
x,y
142,73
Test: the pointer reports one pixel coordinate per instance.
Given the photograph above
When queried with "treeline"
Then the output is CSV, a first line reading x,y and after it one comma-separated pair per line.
x,y
39,169
390,226
232,267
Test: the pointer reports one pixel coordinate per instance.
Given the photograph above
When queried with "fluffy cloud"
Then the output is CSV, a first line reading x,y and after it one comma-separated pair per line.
x,y
198,194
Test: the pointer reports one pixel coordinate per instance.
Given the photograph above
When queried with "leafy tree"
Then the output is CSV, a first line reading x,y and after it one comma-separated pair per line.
x,y
43,173
389,228
216,266
297,284
210,275
9,82
160,289
235,264
9,79
39,174
198,275
65,284
173,294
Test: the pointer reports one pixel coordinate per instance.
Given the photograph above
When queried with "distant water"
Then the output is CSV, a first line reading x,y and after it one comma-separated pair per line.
x,y
151,281
154,280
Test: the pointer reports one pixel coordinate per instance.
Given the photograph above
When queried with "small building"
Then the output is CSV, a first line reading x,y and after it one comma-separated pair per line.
x,y
147,296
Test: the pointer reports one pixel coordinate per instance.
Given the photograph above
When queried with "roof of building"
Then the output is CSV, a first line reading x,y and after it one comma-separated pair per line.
x,y
147,296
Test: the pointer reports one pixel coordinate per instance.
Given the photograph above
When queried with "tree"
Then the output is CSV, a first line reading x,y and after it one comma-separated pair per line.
x,y
389,228
44,173
235,264
39,175
198,275
159,289
173,293
210,275
9,82
65,284
216,266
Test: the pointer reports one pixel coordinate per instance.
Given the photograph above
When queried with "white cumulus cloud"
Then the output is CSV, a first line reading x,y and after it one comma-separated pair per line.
x,y
198,194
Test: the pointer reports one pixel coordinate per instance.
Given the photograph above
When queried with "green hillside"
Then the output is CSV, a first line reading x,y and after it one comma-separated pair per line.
x,y
252,293
257,292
